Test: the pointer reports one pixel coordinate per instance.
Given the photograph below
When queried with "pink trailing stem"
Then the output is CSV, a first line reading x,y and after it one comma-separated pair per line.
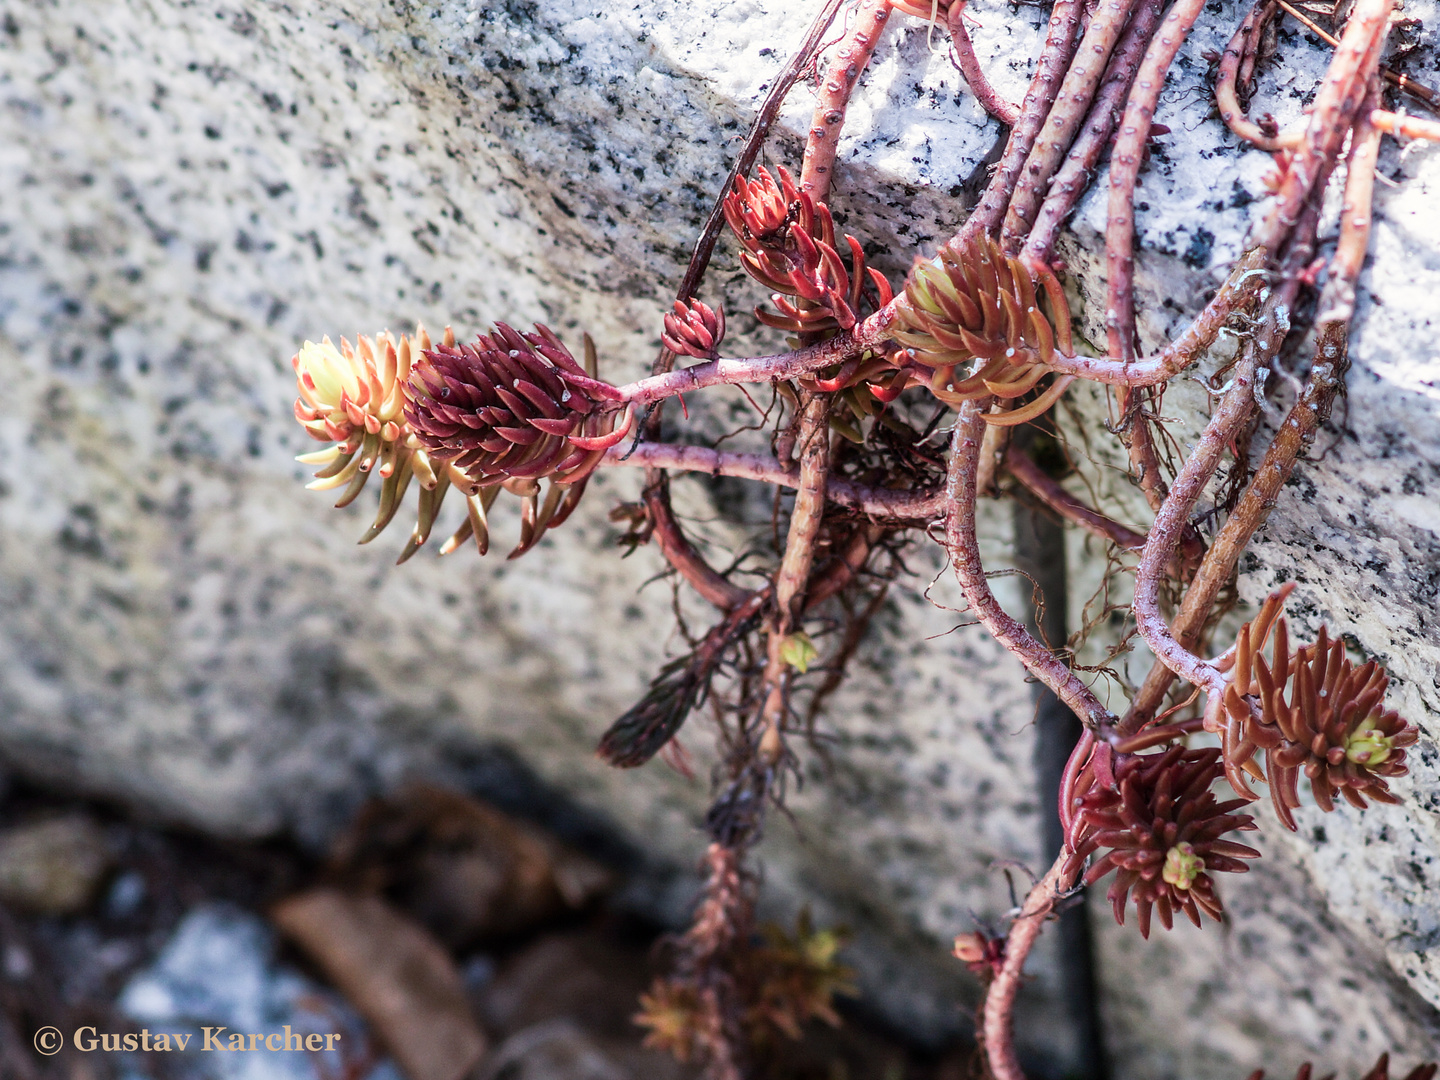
x,y
997,1029
1245,281
1074,176
1405,127
834,97
1228,82
1066,115
964,550
963,54
1125,171
1234,410
1336,102
867,335
872,333
813,473
1219,561
1327,372
1044,85
1053,495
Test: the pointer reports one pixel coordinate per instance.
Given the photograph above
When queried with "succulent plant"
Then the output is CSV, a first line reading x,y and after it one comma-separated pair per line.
x,y
788,245
355,397
513,406
694,329
1335,726
973,302
1160,828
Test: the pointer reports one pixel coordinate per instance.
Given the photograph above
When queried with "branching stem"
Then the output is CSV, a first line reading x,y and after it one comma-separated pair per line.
x,y
964,548
998,1015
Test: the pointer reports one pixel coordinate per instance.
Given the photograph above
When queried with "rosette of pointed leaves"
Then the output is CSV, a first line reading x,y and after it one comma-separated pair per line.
x,y
972,302
1160,829
514,406
788,245
1334,725
355,397
694,329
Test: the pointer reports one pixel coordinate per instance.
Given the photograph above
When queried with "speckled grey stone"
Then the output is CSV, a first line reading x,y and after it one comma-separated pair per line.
x,y
189,190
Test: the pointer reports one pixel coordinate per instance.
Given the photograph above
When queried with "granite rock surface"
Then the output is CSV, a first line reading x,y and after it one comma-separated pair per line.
x,y
189,190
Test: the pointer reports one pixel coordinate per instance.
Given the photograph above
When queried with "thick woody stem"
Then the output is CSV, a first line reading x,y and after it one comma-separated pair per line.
x,y
964,550
1075,175
998,1015
1125,170
963,54
830,104
1054,59
1052,494
1065,117
1227,81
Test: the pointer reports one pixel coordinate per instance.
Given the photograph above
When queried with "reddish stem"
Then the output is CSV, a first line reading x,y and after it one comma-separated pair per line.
x,y
1234,410
1125,171
1053,495
1049,70
680,554
963,54
1336,102
1065,117
997,1031
1074,177
834,97
964,550
1405,127
1227,81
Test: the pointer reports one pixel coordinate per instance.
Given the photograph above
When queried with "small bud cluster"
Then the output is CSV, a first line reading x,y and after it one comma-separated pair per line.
x,y
694,329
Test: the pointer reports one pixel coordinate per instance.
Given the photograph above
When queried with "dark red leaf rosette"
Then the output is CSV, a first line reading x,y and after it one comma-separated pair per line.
x,y
513,406
1160,828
